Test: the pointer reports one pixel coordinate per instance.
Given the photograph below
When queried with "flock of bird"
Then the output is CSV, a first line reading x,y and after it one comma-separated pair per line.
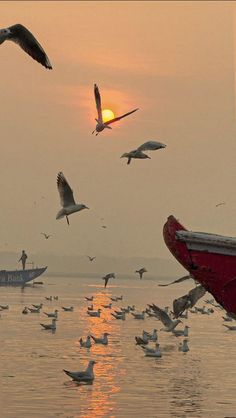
x,y
148,341
25,39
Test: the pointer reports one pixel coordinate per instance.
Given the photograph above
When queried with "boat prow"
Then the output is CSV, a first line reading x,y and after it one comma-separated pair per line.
x,y
209,258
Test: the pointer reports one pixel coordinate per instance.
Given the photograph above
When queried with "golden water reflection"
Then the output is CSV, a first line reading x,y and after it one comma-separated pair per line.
x,y
99,396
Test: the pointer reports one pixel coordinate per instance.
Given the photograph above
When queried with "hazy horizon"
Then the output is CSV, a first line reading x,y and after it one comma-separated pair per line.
x,y
173,60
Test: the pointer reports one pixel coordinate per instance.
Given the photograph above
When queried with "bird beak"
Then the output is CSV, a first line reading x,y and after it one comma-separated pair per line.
x,y
86,207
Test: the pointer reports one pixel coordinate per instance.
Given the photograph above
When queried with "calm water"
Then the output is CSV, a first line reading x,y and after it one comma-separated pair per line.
x,y
200,383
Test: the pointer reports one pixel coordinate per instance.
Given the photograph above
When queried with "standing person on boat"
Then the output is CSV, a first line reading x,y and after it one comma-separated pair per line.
x,y
23,259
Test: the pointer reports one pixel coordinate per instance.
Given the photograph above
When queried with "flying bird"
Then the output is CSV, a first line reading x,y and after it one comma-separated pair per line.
x,y
45,235
26,40
182,279
220,204
67,199
188,300
165,319
107,277
85,376
140,272
100,124
90,258
138,153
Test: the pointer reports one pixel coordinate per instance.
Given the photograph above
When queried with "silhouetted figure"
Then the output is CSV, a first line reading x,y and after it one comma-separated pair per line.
x,y
23,259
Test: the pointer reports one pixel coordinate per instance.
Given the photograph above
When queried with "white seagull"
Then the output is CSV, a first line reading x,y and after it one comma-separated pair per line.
x,y
153,352
85,376
100,124
51,327
67,199
165,319
26,40
138,153
181,332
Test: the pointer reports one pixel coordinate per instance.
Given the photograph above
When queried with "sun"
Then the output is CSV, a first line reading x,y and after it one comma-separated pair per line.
x,y
107,114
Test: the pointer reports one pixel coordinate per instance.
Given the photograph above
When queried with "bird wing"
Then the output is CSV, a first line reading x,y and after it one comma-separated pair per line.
x,y
162,315
195,294
182,279
150,146
26,40
119,117
98,102
180,304
65,191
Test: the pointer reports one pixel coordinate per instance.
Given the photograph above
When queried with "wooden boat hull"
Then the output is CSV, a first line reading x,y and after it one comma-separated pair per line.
x,y
19,277
212,266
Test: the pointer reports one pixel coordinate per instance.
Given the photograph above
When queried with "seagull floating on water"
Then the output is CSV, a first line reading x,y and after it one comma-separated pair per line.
x,y
120,315
138,315
26,40
142,340
37,306
4,306
52,314
51,326
94,313
181,332
153,352
184,346
87,343
67,199
102,340
68,309
151,337
100,124
138,153
25,310
85,376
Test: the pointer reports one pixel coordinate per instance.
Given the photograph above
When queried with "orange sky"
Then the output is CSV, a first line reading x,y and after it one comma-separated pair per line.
x,y
173,60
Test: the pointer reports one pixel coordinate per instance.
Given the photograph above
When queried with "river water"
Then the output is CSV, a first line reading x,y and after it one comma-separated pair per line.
x,y
200,383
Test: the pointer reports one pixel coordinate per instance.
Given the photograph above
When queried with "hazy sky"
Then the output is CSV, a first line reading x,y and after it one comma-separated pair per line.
x,y
173,60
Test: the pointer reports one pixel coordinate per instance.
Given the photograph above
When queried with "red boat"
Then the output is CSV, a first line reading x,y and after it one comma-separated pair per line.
x,y
209,258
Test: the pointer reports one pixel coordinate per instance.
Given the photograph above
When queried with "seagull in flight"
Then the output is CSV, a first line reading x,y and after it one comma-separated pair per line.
x,y
182,279
26,40
91,258
138,153
165,319
107,277
67,199
220,204
140,272
100,124
45,235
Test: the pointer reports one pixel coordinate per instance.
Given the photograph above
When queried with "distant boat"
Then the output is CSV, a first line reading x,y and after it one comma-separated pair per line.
x,y
209,258
19,277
